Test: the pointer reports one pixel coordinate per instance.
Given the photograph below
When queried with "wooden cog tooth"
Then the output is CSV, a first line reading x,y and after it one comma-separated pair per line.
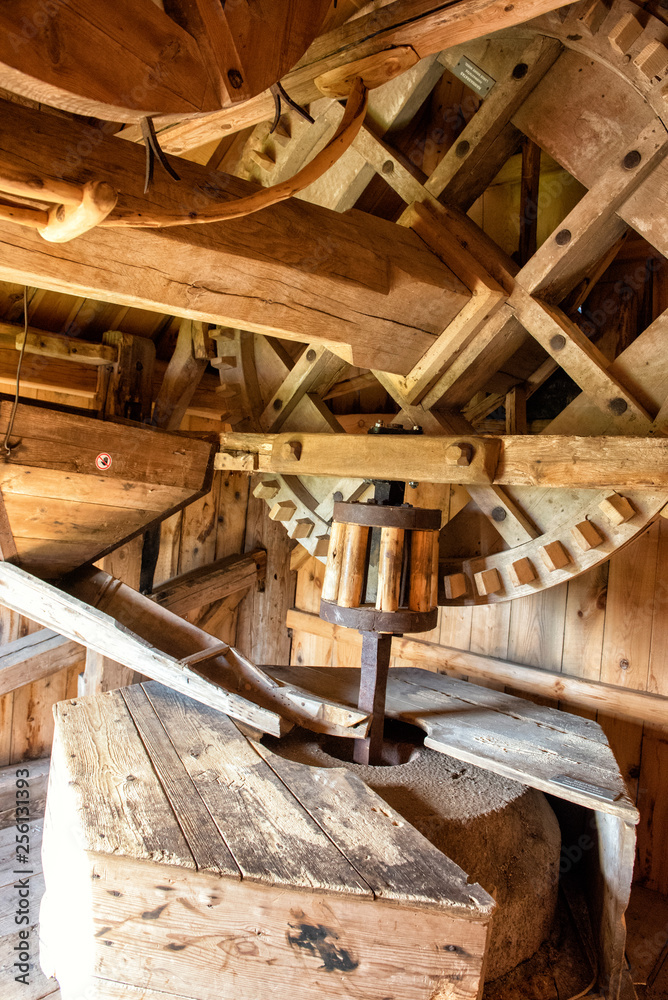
x,y
521,572
593,17
302,528
625,33
617,509
586,535
284,510
267,489
455,586
555,556
488,581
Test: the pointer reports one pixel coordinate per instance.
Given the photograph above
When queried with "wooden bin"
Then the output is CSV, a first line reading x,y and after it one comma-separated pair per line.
x,y
181,858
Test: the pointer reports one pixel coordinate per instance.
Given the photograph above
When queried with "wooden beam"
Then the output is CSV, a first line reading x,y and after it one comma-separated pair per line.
x,y
467,168
428,26
359,284
314,372
614,462
181,379
36,656
621,703
147,630
211,583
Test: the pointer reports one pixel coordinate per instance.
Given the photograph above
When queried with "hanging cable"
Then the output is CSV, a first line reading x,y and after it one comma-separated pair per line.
x,y
6,447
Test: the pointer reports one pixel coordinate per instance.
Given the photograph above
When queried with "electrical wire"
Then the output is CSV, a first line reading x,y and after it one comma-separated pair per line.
x,y
6,448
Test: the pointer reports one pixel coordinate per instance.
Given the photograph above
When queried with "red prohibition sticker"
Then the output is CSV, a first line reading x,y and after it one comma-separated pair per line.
x,y
103,461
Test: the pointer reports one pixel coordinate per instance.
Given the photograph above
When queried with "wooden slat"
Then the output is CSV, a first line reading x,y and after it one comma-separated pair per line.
x,y
36,656
626,704
560,762
211,582
268,832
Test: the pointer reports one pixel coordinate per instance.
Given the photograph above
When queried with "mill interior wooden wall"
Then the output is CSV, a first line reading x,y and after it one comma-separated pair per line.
x,y
610,624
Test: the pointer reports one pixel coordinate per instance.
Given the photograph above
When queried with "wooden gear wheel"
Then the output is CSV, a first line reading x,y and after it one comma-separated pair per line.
x,y
588,85
130,60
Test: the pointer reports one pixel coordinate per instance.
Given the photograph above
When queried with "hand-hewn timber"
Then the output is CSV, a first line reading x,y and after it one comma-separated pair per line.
x,y
112,619
211,583
35,656
360,284
613,463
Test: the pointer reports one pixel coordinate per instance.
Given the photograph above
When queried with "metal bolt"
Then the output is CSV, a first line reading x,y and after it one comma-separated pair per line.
x,y
632,159
379,423
558,342
235,78
624,664
520,71
388,167
462,148
563,237
459,454
413,485
278,403
311,355
338,497
498,514
618,406
291,451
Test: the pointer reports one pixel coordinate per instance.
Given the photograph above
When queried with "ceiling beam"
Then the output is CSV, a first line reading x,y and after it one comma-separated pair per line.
x,y
362,286
614,463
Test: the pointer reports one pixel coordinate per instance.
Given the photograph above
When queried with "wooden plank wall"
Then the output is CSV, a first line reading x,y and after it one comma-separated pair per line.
x,y
209,529
609,624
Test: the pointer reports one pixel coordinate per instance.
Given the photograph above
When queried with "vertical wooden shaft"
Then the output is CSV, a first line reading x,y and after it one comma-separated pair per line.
x,y
422,571
434,578
390,561
352,569
376,651
330,584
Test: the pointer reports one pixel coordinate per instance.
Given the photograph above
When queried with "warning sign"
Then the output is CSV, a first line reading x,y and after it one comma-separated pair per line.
x,y
103,461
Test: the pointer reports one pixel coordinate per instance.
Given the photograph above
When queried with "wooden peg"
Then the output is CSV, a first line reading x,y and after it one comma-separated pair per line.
x,y
434,568
330,585
488,581
303,528
624,33
422,571
617,509
455,586
586,535
267,489
555,556
352,570
593,16
652,61
98,199
521,572
390,562
283,510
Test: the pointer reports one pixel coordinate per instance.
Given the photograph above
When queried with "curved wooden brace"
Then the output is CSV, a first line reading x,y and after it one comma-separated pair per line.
x,y
344,137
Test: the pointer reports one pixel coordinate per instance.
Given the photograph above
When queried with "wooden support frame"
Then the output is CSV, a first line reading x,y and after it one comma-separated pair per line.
x,y
36,656
212,583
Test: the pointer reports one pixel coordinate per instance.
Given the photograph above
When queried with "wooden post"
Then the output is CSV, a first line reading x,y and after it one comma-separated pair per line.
x,y
390,562
352,570
422,571
330,586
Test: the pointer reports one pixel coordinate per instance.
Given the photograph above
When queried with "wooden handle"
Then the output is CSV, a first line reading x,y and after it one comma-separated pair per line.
x,y
68,221
390,562
330,584
422,571
352,571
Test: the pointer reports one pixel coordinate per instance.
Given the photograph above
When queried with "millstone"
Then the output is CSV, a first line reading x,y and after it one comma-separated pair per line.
x,y
502,833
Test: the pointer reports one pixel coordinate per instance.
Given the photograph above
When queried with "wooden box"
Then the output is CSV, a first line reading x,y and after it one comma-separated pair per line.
x,y
181,858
